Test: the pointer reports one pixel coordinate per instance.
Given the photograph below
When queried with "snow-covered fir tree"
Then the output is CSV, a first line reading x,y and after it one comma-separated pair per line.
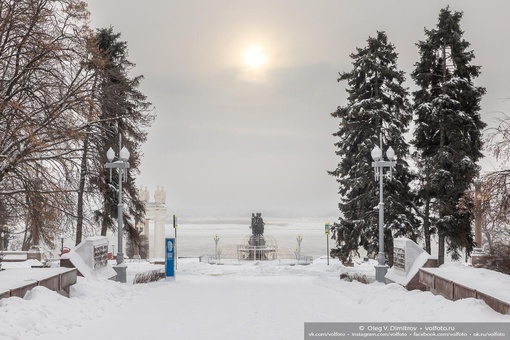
x,y
123,111
448,132
377,107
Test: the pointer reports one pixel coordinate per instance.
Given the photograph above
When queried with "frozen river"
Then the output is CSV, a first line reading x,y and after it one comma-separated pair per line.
x,y
195,236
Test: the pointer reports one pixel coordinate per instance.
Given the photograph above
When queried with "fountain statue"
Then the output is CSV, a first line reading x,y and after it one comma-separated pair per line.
x,y
257,249
257,224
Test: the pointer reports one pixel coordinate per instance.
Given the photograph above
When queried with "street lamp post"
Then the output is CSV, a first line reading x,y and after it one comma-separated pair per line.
x,y
379,164
175,242
299,239
2,235
122,165
326,231
216,240
61,244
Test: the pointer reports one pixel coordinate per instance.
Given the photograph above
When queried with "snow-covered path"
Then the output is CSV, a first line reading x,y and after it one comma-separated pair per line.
x,y
248,307
225,302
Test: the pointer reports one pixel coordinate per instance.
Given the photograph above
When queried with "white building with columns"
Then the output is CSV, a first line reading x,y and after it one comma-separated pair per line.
x,y
155,212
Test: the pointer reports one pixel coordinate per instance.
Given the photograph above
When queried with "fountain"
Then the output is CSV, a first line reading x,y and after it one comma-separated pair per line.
x,y
257,248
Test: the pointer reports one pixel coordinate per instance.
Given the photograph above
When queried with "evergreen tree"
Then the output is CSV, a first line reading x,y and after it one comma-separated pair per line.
x,y
123,113
448,132
377,108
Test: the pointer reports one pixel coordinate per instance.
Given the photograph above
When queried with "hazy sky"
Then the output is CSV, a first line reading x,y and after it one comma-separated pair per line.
x,y
245,133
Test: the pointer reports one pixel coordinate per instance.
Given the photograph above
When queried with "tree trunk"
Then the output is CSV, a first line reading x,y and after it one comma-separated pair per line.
x,y
489,241
388,247
104,227
83,168
442,143
426,226
81,188
26,239
440,253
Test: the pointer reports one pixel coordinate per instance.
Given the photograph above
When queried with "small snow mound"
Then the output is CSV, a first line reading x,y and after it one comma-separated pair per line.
x,y
42,293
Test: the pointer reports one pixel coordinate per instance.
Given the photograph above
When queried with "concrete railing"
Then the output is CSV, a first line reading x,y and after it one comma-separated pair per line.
x,y
454,291
60,283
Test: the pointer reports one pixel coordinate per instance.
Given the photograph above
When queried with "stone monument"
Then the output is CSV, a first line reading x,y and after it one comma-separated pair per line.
x,y
408,258
90,257
257,224
257,249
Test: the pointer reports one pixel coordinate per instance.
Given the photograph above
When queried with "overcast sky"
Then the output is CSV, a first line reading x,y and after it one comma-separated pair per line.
x,y
240,131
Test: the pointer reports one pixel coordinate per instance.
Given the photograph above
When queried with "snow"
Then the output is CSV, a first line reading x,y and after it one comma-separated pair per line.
x,y
18,277
483,280
235,300
14,256
21,264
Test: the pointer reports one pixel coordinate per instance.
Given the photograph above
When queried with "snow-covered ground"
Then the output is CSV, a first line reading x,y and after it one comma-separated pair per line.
x,y
235,300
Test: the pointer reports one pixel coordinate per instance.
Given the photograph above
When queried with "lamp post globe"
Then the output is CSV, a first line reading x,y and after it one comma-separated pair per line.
x,y
376,153
390,153
124,154
110,154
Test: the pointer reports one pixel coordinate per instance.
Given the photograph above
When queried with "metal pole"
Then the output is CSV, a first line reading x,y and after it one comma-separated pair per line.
x,y
175,242
2,235
216,239
327,247
120,256
381,207
381,256
326,231
299,239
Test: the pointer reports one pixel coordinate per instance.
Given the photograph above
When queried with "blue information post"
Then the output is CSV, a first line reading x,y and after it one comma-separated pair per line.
x,y
170,258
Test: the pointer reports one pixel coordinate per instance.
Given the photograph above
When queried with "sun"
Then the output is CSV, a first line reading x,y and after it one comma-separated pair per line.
x,y
254,57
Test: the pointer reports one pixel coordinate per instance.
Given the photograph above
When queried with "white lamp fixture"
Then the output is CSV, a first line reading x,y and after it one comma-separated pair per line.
x,y
124,154
110,154
390,153
376,153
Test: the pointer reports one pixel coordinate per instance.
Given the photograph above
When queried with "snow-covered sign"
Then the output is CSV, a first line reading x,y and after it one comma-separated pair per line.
x,y
408,258
90,257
